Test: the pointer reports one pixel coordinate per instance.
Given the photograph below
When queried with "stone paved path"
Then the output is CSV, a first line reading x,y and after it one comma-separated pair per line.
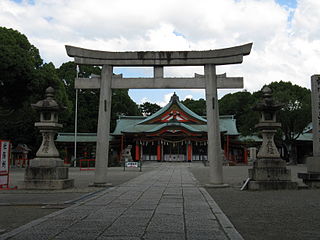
x,y
161,204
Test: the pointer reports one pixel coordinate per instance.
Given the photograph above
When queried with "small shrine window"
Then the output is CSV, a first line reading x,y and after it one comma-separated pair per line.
x,y
268,116
46,116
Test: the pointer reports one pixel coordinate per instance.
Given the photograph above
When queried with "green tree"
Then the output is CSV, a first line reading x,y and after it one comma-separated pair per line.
x,y
122,104
240,105
148,108
88,99
294,116
19,61
197,106
23,81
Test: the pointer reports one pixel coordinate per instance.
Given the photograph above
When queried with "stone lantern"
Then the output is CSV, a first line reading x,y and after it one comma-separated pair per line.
x,y
47,170
269,170
268,124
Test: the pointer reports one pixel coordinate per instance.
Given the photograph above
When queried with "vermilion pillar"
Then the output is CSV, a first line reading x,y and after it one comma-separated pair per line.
x,y
137,152
159,152
189,152
245,160
228,146
121,148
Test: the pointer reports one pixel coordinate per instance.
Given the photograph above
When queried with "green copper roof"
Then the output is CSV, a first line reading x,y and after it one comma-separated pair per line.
x,y
305,137
81,137
306,134
138,124
125,122
227,125
145,124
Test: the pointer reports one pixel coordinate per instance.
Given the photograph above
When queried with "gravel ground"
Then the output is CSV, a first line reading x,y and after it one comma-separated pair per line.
x,y
284,214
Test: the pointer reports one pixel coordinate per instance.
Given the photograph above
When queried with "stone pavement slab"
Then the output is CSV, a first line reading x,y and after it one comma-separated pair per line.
x,y
165,203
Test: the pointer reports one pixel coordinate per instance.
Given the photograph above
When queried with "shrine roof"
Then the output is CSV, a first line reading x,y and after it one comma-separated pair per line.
x,y
173,101
150,128
305,137
306,134
227,125
171,116
81,137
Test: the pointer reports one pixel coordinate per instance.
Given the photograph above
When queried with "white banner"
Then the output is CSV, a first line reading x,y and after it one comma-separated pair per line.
x,y
4,156
3,180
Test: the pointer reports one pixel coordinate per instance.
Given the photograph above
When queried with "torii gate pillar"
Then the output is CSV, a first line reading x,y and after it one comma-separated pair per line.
x,y
214,142
102,146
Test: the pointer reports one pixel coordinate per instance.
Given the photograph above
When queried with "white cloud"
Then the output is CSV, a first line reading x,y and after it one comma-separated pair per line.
x,y
188,96
283,49
165,100
143,100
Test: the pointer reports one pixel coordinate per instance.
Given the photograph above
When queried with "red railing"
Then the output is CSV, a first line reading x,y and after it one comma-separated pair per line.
x,y
22,162
86,167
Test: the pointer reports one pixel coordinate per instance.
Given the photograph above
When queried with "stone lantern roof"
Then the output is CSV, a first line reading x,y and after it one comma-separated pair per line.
x,y
267,103
49,103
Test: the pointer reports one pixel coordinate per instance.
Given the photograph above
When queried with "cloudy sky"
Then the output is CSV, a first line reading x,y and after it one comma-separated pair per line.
x,y
285,34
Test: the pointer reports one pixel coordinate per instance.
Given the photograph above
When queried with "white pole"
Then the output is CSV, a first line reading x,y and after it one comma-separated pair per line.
x,y
76,123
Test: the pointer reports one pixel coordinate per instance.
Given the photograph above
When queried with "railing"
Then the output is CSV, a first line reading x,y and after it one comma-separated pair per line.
x,y
22,162
87,166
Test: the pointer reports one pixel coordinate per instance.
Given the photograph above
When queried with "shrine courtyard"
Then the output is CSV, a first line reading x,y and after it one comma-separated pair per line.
x,y
164,201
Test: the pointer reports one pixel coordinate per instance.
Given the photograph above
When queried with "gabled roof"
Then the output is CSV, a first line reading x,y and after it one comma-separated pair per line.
x,y
172,116
174,106
21,148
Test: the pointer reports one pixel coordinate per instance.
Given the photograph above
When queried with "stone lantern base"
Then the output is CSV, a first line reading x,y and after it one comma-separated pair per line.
x,y
270,174
43,177
312,177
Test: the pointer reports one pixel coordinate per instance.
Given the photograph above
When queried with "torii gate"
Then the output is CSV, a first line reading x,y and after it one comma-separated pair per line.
x,y
210,81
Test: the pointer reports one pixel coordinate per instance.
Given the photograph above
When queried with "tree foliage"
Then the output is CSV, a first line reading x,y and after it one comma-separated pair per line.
x,y
88,99
295,115
296,112
18,62
148,108
23,81
122,105
240,105
197,106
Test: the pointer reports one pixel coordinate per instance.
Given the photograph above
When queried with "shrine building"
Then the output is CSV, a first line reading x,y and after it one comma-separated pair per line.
x,y
174,133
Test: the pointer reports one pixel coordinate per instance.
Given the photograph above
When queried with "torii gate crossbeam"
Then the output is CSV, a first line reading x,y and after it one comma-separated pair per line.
x,y
210,81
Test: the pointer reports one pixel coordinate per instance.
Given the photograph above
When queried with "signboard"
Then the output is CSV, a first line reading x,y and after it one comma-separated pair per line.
x,y
4,163
132,164
315,99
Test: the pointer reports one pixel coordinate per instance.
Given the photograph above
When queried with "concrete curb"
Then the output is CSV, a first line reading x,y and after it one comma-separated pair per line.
x,y
225,223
